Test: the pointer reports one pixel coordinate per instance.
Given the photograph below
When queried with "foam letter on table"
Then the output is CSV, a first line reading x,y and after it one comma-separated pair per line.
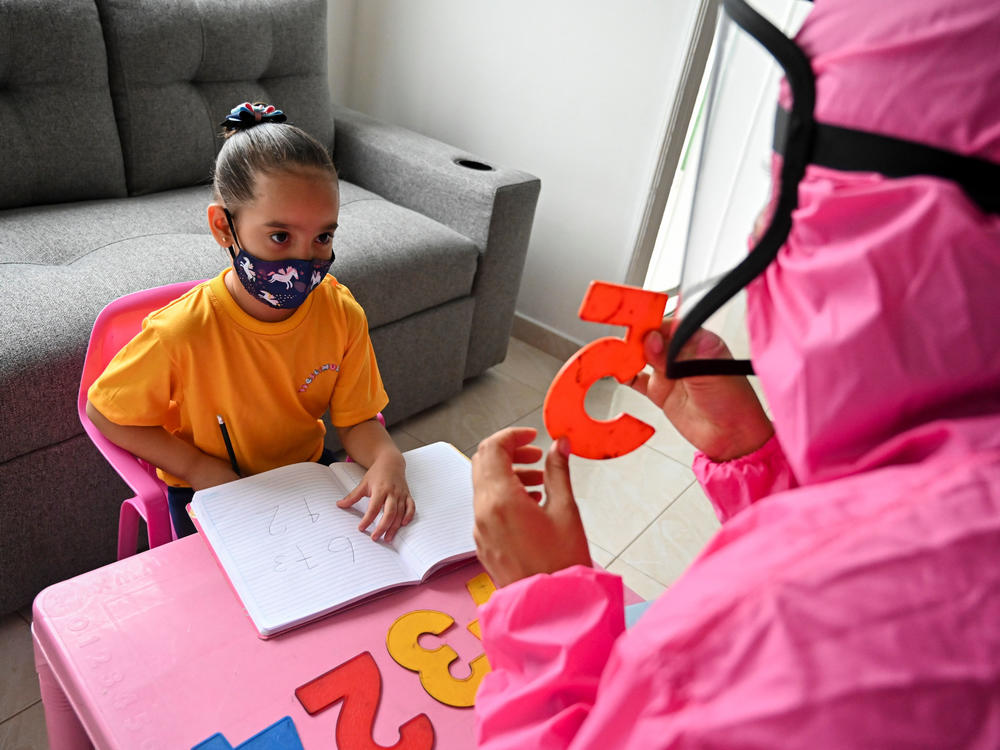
x,y
281,735
564,411
432,665
358,683
480,588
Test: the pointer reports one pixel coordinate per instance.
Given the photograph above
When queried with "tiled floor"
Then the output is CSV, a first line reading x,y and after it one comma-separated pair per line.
x,y
645,515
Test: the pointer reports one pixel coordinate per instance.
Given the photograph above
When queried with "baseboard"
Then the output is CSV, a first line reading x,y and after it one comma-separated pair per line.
x,y
542,337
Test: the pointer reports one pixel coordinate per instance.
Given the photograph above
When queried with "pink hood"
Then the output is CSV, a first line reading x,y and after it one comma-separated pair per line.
x,y
877,326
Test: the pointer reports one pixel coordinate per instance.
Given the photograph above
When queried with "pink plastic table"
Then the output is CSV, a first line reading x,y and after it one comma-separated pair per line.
x,y
155,651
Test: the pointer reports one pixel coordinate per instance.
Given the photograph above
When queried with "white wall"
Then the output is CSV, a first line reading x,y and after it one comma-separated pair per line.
x,y
576,92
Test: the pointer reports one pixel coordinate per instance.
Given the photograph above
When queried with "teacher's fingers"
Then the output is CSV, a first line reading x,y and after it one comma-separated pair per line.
x,y
558,488
508,443
654,347
530,477
527,454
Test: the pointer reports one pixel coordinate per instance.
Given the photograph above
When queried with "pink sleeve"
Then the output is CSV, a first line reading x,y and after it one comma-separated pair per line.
x,y
548,639
734,485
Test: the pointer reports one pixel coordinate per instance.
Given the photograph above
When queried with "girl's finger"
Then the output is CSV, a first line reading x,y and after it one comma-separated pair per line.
x,y
411,509
354,495
388,523
370,514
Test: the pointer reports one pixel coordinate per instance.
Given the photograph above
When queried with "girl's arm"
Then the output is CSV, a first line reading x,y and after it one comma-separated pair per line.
x,y
369,444
170,453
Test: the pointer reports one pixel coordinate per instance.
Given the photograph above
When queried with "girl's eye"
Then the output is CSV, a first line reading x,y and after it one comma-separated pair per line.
x,y
325,239
280,237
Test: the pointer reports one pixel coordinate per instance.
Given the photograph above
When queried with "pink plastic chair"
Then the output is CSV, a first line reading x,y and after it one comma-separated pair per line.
x,y
115,326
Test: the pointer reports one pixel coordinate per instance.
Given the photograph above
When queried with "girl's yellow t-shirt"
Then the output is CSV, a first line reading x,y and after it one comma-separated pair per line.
x,y
202,356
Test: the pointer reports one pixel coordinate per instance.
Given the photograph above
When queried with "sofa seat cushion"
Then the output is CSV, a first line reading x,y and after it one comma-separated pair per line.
x,y
59,266
394,260
64,233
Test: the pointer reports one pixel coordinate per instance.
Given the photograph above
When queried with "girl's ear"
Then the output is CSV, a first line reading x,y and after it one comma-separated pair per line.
x,y
218,225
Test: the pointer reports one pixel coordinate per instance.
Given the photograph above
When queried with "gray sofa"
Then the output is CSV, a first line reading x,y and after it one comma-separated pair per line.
x,y
108,123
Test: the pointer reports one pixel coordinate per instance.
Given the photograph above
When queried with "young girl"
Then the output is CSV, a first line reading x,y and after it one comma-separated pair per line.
x,y
254,357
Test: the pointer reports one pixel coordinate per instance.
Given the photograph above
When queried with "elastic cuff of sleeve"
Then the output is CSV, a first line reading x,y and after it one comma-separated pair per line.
x,y
734,485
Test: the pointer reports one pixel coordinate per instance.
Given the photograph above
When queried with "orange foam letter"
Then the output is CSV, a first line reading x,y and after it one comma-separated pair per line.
x,y
565,415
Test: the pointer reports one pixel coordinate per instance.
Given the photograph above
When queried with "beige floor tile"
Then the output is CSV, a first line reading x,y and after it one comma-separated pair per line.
x,y
25,731
18,681
531,366
619,497
636,580
488,403
667,547
599,555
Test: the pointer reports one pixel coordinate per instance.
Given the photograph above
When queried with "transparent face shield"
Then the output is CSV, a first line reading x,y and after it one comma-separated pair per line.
x,y
728,200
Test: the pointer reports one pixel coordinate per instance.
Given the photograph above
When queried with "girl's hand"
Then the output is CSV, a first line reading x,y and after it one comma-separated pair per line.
x,y
720,415
516,537
385,484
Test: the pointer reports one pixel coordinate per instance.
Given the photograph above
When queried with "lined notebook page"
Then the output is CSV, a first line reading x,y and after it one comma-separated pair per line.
x,y
292,555
440,480
288,550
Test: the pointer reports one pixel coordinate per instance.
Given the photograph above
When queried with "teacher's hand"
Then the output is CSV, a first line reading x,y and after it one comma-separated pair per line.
x,y
516,536
720,415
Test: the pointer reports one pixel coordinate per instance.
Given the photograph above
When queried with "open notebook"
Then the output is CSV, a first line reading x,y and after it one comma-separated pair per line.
x,y
293,556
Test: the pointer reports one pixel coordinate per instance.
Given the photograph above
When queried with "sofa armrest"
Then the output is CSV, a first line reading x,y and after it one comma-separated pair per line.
x,y
493,206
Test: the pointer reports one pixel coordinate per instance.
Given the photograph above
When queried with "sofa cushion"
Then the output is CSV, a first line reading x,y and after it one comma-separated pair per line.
x,y
394,260
176,69
60,142
397,263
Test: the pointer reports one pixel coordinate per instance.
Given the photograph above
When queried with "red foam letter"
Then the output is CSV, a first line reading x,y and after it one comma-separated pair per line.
x,y
564,412
358,683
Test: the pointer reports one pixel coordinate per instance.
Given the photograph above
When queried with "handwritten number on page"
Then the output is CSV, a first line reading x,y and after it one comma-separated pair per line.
x,y
271,528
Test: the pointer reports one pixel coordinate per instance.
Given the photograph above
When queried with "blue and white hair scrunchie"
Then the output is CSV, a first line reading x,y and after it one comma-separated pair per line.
x,y
246,115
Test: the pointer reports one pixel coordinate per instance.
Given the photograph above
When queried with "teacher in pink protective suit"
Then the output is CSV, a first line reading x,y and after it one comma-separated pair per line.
x,y
851,598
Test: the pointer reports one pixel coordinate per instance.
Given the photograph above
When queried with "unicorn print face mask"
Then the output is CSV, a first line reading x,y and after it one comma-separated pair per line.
x,y
283,284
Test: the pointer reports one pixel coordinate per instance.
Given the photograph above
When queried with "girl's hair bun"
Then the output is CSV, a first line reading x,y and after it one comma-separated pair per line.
x,y
246,115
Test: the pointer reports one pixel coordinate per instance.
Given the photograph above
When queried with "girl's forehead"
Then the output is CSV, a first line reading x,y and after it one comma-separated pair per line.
x,y
300,192
293,178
